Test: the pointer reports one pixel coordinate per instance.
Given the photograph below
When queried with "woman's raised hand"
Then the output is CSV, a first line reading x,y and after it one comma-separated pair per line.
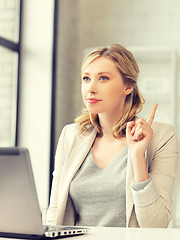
x,y
139,134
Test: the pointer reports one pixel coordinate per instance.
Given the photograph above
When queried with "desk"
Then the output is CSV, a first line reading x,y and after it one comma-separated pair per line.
x,y
127,234
130,234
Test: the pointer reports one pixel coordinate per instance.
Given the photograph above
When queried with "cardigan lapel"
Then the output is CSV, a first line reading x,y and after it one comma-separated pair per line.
x,y
72,165
83,145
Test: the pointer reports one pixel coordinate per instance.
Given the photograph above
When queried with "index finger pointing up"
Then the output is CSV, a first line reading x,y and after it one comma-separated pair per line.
x,y
152,114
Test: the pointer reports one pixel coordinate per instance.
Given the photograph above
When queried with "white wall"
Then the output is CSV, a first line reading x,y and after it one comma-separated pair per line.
x,y
35,89
67,64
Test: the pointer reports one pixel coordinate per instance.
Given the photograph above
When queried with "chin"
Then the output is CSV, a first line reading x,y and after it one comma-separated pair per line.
x,y
92,110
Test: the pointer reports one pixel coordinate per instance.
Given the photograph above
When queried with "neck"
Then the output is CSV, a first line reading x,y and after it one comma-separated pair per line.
x,y
107,123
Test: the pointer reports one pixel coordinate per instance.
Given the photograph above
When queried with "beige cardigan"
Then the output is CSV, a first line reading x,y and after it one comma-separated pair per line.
x,y
150,207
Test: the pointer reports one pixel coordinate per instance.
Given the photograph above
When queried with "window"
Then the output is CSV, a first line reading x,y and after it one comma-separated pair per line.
x,y
10,19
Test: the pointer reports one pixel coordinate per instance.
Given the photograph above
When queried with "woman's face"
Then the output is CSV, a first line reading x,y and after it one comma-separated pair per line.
x,y
103,89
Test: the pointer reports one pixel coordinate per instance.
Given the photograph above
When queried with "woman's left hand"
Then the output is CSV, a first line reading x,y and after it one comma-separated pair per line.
x,y
139,134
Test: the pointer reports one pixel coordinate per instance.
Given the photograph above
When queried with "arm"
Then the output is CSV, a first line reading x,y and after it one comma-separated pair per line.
x,y
153,204
57,174
59,199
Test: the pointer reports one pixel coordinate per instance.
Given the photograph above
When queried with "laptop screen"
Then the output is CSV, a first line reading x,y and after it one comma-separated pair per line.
x,y
19,208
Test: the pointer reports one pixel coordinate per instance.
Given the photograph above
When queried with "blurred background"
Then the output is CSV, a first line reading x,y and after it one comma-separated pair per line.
x,y
42,44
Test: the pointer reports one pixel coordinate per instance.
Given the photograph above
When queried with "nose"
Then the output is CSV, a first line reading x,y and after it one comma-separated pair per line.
x,y
92,86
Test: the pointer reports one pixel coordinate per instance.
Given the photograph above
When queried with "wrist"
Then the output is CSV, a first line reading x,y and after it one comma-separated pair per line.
x,y
141,177
136,155
140,168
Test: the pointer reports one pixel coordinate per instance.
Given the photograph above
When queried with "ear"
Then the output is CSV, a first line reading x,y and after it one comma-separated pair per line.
x,y
128,90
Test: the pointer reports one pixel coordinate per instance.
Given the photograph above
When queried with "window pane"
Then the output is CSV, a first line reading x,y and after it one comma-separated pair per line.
x,y
9,19
8,96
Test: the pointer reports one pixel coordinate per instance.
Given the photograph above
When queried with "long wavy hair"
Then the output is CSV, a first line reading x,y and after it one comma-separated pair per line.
x,y
129,70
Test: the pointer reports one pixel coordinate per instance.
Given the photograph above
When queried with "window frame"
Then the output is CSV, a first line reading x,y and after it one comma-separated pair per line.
x,y
53,94
15,47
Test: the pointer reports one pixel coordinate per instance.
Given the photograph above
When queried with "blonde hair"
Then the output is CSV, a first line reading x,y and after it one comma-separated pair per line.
x,y
129,70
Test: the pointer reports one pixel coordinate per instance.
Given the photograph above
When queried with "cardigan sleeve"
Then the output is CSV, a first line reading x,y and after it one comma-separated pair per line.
x,y
59,202
57,174
140,185
153,203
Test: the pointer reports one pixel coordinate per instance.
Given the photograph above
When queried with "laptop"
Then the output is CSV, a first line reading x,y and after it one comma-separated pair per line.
x,y
20,215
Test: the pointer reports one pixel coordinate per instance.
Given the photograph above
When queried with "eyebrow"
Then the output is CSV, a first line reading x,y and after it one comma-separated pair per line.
x,y
104,73
100,73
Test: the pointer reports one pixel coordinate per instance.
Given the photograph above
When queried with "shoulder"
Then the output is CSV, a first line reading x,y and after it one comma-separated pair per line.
x,y
71,133
67,139
163,133
163,129
73,129
164,137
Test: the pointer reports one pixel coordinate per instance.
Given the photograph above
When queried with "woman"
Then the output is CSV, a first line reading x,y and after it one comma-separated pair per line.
x,y
111,167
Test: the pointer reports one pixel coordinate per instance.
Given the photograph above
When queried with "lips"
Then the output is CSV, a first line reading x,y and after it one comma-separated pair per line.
x,y
93,100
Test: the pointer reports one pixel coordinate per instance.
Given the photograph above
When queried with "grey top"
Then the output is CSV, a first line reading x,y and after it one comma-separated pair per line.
x,y
99,196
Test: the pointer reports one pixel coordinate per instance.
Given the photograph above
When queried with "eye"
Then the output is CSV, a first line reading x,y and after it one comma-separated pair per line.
x,y
103,78
86,79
